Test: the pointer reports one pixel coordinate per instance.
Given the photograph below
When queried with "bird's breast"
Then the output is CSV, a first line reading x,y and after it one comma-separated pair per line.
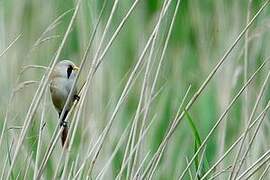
x,y
60,88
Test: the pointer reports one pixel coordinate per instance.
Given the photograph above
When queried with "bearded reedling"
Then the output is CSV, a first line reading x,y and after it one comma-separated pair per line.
x,y
61,81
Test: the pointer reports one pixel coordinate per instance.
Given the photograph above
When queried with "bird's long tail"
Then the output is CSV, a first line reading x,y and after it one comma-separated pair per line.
x,y
64,135
64,132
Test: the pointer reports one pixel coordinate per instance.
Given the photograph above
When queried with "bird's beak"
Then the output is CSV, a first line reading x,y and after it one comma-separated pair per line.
x,y
76,68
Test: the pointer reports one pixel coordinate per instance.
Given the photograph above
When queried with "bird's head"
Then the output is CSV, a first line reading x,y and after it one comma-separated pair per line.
x,y
66,69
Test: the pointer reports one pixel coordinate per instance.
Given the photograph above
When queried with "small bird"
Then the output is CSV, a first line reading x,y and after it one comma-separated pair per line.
x,y
61,81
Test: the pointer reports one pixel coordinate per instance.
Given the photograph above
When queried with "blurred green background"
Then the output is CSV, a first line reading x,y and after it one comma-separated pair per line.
x,y
202,33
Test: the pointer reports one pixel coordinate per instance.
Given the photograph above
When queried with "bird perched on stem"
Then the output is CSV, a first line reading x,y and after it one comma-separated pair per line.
x,y
61,81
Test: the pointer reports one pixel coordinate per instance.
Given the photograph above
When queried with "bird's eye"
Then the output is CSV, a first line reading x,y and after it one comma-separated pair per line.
x,y
69,71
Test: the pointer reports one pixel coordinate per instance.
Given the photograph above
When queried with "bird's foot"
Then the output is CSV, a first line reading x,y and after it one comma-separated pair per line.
x,y
76,97
64,124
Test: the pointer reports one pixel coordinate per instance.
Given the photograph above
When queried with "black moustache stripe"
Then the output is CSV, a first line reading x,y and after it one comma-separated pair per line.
x,y
69,71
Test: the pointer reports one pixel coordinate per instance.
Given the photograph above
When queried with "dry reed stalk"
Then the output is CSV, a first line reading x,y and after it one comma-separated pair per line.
x,y
205,83
259,119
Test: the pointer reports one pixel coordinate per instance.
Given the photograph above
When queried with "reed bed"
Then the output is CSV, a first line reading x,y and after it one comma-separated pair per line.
x,y
169,89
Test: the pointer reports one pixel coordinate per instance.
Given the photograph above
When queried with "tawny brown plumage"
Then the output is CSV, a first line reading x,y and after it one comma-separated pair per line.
x,y
61,81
